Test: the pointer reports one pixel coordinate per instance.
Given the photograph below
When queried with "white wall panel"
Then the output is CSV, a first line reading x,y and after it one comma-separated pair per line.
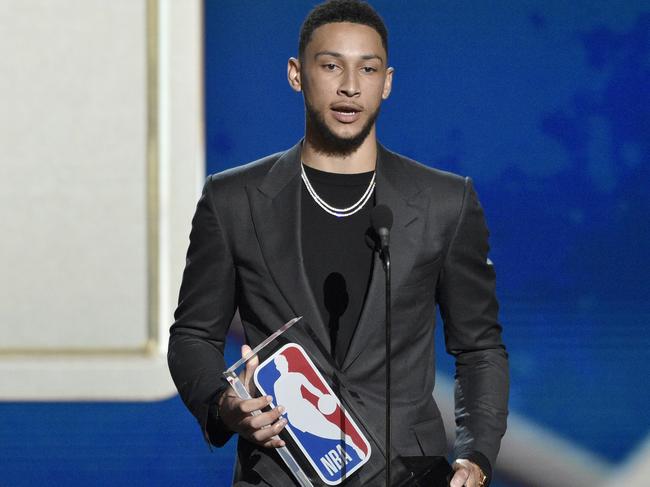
x,y
78,129
73,133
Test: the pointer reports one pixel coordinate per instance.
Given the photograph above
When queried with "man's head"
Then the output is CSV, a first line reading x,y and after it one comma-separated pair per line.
x,y
343,73
353,11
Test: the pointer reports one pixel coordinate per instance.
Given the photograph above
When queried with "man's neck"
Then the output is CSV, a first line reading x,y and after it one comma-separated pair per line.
x,y
361,160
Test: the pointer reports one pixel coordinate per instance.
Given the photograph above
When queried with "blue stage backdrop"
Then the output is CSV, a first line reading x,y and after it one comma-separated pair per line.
x,y
546,105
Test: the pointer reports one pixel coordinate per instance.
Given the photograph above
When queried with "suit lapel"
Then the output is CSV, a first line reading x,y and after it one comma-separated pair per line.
x,y
275,207
276,212
404,197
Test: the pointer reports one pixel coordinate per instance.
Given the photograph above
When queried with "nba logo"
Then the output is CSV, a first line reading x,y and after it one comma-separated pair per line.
x,y
327,435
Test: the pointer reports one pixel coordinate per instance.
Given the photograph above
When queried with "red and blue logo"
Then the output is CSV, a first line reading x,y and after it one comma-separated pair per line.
x,y
327,435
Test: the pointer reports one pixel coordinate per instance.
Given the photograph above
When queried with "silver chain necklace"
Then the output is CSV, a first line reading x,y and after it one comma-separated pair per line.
x,y
339,212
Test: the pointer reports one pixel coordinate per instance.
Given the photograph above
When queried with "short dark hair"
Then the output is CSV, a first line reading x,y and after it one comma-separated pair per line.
x,y
333,11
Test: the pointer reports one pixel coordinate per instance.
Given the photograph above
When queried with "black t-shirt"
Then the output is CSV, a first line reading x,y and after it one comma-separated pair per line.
x,y
338,260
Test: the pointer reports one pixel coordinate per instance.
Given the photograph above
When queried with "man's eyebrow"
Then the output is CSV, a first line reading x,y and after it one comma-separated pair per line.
x,y
339,55
372,56
328,53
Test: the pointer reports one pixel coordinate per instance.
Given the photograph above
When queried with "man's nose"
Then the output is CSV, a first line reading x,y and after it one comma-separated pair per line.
x,y
349,85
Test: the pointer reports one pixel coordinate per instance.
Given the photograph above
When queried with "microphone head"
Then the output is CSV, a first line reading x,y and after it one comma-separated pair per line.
x,y
381,217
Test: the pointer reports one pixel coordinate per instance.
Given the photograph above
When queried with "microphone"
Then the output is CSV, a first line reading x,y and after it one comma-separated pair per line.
x,y
381,220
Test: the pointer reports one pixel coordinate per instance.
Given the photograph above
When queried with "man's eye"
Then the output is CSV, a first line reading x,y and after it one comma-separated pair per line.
x,y
329,66
369,69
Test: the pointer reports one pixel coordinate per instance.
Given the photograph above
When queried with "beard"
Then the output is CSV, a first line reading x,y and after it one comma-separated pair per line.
x,y
325,141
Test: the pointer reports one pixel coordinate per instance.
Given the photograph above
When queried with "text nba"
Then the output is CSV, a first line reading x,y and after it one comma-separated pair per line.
x,y
335,459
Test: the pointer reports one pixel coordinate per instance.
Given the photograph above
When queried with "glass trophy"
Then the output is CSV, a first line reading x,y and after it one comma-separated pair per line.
x,y
324,439
232,377
324,444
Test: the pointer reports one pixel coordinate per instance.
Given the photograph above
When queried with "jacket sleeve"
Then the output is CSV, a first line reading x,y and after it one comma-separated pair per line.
x,y
206,306
468,305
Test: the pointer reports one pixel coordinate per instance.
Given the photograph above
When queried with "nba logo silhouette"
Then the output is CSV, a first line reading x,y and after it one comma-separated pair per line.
x,y
327,435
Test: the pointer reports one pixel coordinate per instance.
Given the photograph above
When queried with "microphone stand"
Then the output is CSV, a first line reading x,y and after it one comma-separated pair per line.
x,y
385,260
411,471
414,471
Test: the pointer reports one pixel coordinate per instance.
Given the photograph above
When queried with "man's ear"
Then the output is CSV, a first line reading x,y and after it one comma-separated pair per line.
x,y
388,83
293,74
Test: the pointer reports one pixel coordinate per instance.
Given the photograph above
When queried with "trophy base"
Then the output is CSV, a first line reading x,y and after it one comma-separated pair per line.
x,y
425,471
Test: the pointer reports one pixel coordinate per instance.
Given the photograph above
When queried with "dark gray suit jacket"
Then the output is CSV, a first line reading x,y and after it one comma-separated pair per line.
x,y
245,254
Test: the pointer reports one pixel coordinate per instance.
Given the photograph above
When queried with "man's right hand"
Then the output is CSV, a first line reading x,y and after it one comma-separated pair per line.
x,y
236,413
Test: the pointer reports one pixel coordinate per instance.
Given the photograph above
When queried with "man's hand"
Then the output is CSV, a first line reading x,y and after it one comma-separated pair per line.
x,y
467,474
236,413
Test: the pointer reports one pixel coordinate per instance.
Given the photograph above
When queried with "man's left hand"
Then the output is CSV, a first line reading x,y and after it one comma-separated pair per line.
x,y
467,474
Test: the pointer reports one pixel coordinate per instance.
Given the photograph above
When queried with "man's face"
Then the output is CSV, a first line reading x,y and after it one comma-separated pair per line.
x,y
344,78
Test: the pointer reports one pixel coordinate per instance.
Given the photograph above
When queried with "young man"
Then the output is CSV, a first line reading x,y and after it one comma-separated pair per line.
x,y
285,236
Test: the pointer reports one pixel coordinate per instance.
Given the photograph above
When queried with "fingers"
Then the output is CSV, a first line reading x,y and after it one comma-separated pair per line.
x,y
460,478
268,435
247,406
251,365
467,474
263,428
274,443
267,418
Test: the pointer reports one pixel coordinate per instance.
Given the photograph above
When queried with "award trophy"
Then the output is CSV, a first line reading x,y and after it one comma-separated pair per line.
x,y
324,438
325,446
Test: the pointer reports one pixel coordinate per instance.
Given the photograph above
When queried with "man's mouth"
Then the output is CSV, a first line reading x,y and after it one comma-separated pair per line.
x,y
346,113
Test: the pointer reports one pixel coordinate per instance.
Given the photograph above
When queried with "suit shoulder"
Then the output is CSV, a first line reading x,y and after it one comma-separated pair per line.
x,y
431,178
228,187
248,173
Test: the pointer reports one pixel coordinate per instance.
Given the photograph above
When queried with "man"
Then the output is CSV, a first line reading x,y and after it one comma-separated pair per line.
x,y
285,236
